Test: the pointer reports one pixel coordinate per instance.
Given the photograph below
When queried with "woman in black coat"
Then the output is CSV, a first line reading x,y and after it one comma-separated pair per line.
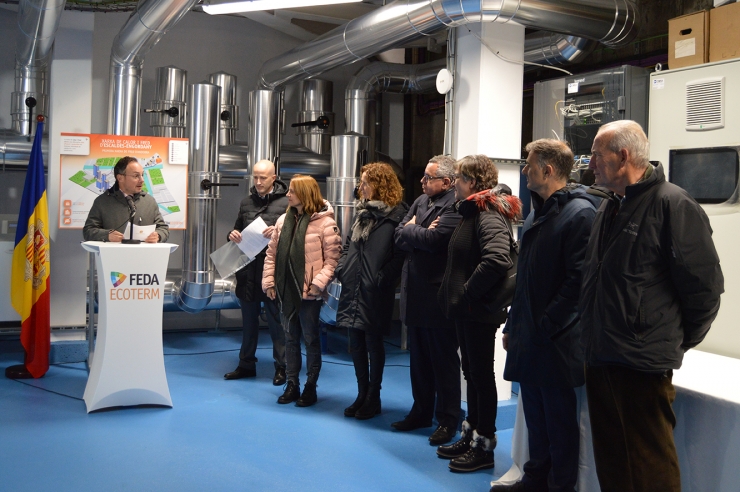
x,y
478,257
369,270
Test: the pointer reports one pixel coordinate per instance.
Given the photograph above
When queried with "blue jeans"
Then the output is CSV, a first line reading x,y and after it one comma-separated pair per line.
x,y
250,333
305,322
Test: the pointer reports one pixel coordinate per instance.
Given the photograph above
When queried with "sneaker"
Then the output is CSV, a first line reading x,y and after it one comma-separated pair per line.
x,y
292,393
308,397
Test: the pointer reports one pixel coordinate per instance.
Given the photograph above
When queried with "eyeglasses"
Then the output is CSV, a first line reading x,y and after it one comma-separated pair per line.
x,y
426,178
135,175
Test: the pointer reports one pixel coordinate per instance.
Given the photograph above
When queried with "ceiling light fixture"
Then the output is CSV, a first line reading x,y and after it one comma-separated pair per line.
x,y
255,5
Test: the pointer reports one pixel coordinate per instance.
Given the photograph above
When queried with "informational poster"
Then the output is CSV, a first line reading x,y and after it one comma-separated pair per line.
x,y
87,163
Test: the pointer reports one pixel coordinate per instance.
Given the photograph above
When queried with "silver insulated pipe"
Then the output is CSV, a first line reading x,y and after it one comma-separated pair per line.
x,y
38,21
611,22
169,109
265,126
229,112
384,77
549,48
316,119
146,26
348,155
198,276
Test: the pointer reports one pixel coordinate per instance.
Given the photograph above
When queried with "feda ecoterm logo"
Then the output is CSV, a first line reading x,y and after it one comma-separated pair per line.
x,y
117,278
138,286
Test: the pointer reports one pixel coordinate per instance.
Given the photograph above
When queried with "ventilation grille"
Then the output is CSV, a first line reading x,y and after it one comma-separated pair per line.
x,y
705,104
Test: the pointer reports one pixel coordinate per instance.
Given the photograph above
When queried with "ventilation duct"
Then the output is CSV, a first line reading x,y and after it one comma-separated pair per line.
x,y
402,21
38,21
316,119
705,104
146,26
265,126
229,113
348,155
169,108
549,48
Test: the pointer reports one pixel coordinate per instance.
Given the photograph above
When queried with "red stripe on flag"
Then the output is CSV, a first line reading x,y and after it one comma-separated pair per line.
x,y
36,335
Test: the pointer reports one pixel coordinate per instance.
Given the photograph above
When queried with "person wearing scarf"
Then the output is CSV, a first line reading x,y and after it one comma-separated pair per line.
x,y
369,270
300,262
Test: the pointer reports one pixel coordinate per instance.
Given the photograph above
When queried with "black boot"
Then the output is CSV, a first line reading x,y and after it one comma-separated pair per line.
x,y
351,410
458,448
478,457
308,397
371,407
292,393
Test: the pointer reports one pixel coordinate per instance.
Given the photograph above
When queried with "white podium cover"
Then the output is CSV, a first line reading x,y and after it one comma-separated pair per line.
x,y
127,366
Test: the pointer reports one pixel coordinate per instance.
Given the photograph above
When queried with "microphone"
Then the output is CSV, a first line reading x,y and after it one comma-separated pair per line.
x,y
132,215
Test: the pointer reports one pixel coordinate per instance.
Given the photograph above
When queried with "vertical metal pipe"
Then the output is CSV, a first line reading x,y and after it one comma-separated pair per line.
x,y
265,126
198,276
169,92
348,155
450,96
229,113
316,101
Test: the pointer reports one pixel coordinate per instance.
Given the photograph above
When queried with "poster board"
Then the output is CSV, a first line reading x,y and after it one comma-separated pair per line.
x,y
86,170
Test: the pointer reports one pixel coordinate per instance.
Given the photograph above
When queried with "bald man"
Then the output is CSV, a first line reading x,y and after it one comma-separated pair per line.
x,y
266,199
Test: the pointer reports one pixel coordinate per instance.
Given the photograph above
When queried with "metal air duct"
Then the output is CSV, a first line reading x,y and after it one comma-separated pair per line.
x,y
384,77
609,22
198,276
38,21
316,107
265,126
169,108
146,26
549,48
229,114
348,155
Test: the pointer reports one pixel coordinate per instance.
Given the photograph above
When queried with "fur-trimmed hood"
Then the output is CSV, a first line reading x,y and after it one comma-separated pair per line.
x,y
507,205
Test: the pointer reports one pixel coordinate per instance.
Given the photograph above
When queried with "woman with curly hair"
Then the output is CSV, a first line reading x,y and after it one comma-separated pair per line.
x,y
369,269
478,256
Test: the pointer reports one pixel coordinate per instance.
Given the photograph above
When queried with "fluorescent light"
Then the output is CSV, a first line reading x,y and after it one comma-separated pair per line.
x,y
255,5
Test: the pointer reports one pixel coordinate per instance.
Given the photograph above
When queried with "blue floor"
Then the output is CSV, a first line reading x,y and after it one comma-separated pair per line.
x,y
220,435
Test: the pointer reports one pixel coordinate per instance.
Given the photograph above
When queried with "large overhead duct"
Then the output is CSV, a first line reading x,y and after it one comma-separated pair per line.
x,y
146,26
38,21
198,275
384,77
609,22
549,48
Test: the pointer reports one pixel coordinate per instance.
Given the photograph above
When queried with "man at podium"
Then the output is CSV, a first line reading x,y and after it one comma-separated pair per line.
x,y
124,202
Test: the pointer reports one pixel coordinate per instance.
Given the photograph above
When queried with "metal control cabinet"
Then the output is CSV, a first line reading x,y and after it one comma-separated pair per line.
x,y
574,107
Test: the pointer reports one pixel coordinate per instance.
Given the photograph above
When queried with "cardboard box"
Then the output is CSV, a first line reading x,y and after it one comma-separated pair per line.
x,y
688,40
724,32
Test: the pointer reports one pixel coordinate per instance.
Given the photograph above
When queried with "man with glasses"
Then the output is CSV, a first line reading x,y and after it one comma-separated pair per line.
x,y
435,365
267,199
112,210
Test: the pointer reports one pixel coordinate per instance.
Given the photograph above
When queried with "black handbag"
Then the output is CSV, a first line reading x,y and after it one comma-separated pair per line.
x,y
503,291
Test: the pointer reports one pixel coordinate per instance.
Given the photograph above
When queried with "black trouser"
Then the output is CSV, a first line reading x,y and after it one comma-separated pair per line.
x,y
552,426
477,344
250,333
632,425
435,371
366,345
305,322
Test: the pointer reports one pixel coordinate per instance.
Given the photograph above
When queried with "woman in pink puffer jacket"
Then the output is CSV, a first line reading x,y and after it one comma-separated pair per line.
x,y
301,257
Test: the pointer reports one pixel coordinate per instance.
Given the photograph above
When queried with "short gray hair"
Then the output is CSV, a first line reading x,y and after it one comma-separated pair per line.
x,y
446,166
628,134
553,152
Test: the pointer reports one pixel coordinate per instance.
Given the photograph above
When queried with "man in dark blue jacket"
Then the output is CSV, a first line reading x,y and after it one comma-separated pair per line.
x,y
435,366
542,335
651,289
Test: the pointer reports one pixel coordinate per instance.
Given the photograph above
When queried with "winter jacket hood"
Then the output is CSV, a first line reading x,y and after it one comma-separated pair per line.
x,y
507,205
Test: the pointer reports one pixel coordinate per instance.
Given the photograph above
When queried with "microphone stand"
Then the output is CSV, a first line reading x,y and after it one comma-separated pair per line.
x,y
131,239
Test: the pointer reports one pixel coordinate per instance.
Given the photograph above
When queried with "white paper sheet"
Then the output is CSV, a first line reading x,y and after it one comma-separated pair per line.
x,y
140,232
252,239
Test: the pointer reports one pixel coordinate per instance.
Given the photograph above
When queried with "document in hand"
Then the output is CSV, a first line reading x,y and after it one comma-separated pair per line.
x,y
140,232
252,239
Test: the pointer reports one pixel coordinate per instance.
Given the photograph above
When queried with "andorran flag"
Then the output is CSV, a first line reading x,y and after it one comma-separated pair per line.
x,y
29,292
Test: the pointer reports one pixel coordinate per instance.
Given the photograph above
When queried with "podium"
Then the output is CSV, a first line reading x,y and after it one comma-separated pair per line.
x,y
127,365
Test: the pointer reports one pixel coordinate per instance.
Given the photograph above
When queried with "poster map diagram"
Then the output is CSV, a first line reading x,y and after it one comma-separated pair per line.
x,y
87,164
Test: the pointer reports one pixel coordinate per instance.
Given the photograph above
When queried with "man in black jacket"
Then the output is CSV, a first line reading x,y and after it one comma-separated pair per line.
x,y
267,200
651,289
435,366
542,335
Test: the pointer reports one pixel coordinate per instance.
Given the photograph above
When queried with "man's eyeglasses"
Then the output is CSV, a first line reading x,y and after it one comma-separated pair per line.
x,y
135,175
426,178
